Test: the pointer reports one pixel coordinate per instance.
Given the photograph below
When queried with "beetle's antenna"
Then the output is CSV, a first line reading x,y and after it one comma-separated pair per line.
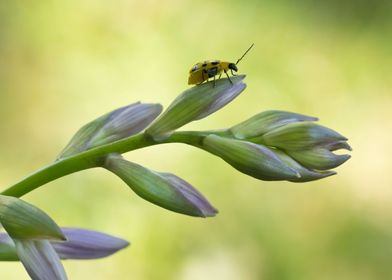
x,y
244,54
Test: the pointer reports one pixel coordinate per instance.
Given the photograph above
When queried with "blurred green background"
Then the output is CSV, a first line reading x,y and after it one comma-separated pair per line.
x,y
64,63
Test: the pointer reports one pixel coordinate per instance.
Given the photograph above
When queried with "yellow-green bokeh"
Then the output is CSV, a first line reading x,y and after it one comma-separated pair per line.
x,y
63,63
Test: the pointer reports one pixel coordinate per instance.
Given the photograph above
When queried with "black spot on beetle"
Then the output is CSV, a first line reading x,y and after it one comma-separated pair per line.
x,y
215,62
204,64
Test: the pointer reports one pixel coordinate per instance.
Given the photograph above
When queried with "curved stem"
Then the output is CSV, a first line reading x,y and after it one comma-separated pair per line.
x,y
93,158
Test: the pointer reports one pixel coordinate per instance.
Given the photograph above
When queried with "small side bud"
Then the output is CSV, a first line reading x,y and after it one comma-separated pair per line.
x,y
194,104
87,244
265,122
116,125
80,244
22,220
163,189
255,160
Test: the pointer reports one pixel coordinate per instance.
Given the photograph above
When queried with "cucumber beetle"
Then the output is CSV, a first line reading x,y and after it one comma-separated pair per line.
x,y
202,71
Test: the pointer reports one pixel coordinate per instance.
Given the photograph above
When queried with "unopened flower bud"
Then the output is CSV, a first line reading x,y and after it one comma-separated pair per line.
x,y
163,189
196,103
253,159
31,229
80,244
87,244
265,122
300,135
22,220
116,125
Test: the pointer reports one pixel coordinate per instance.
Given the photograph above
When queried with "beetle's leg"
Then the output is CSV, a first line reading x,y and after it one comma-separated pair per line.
x,y
214,81
228,77
202,77
232,73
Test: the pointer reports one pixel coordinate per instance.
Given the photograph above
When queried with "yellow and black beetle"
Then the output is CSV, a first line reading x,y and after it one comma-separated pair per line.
x,y
202,71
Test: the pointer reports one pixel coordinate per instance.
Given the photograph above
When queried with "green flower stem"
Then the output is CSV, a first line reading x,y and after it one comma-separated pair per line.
x,y
94,158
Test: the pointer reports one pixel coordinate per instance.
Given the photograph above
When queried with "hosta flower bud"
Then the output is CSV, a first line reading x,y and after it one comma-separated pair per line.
x,y
196,103
87,244
300,135
265,122
116,125
255,160
163,189
80,244
22,220
31,229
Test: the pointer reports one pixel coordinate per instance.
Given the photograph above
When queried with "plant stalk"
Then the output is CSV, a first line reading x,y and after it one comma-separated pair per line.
x,y
94,158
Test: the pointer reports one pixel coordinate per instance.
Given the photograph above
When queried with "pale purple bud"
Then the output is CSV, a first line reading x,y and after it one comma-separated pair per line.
x,y
80,244
87,244
114,126
163,189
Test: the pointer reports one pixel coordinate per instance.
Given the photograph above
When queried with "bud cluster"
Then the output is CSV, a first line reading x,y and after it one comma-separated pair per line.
x,y
278,145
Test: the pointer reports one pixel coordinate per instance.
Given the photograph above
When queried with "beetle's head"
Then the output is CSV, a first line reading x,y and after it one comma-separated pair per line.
x,y
232,66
